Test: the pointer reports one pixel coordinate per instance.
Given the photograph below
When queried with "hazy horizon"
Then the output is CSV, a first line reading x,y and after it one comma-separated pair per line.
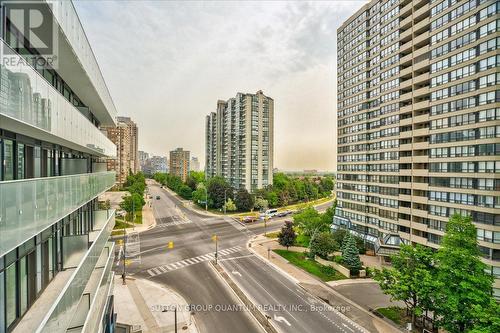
x,y
167,72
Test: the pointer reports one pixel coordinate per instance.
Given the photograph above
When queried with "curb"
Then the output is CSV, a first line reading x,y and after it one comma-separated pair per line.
x,y
267,262
260,317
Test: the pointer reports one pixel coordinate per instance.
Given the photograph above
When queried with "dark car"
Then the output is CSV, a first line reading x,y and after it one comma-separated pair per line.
x,y
249,219
157,197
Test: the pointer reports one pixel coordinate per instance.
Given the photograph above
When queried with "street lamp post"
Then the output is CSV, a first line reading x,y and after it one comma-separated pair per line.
x,y
206,197
225,201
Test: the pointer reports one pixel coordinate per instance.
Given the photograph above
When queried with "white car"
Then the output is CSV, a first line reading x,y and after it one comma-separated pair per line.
x,y
268,214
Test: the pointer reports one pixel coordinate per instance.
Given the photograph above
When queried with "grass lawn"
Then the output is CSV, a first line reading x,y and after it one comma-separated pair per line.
x,y
393,313
272,234
119,224
138,218
325,273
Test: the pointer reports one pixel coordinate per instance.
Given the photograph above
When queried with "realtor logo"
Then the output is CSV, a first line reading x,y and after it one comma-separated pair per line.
x,y
29,28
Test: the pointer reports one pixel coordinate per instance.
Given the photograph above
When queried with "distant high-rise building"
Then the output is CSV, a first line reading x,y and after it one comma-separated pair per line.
x,y
155,164
240,141
418,114
142,156
56,260
124,136
179,163
195,164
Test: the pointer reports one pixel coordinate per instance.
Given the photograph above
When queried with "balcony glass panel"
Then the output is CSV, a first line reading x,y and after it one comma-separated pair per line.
x,y
29,206
98,304
60,314
27,97
65,14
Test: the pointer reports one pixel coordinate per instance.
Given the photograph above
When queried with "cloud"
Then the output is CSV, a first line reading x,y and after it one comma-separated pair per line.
x,y
167,63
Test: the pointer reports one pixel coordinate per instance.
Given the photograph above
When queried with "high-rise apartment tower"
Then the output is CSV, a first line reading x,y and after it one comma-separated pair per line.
x,y
240,141
418,123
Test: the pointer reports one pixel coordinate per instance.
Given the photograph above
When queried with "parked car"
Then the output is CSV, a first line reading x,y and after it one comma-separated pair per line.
x,y
157,197
284,213
249,219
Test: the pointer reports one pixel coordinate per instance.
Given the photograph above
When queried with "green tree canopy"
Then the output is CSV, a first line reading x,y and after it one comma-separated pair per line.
x,y
244,200
322,245
462,281
185,191
261,204
131,202
229,205
310,221
216,187
411,279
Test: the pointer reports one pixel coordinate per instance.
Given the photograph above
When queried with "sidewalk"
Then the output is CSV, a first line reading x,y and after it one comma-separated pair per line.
x,y
148,306
325,291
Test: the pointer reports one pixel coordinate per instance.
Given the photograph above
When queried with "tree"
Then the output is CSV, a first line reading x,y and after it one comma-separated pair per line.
x,y
287,235
185,192
199,195
218,191
411,279
339,236
244,200
229,205
350,254
133,202
462,281
322,245
310,222
488,319
261,204
272,199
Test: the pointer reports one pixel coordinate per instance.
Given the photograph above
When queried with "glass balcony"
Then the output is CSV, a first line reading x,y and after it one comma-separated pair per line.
x,y
83,282
29,206
101,293
41,111
65,14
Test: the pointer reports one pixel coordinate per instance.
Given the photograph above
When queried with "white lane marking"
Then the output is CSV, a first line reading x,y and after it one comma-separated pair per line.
x,y
161,269
235,258
281,319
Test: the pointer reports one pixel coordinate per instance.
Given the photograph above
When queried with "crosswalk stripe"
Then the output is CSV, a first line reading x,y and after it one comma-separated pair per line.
x,y
190,261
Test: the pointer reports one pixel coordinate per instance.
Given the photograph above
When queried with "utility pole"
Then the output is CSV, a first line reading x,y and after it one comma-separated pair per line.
x,y
216,249
225,201
124,251
175,318
206,197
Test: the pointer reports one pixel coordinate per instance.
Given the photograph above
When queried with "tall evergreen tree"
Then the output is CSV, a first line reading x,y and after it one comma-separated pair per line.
x,y
350,254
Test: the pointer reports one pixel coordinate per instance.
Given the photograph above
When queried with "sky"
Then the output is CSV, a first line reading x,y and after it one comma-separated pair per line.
x,y
167,63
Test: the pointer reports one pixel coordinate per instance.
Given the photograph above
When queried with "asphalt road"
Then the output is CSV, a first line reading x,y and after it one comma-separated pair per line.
x,y
185,269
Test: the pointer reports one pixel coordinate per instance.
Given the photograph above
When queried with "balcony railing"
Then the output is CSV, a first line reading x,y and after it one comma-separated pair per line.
x,y
29,206
97,307
30,99
65,14
59,317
